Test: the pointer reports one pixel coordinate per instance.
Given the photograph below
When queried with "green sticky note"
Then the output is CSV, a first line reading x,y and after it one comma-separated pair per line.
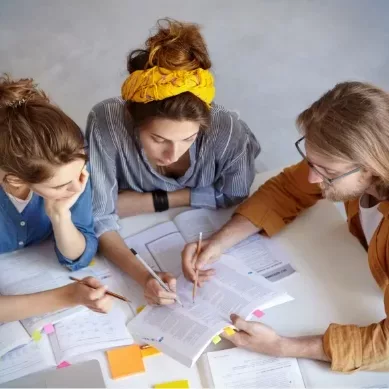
x,y
36,336
216,339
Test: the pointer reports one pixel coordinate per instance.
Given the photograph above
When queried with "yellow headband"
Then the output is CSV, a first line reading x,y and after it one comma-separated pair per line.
x,y
143,86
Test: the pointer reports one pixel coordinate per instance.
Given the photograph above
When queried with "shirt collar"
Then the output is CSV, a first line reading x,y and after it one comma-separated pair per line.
x,y
354,208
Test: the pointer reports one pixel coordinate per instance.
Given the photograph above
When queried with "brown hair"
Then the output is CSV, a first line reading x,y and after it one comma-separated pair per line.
x,y
351,122
175,46
35,135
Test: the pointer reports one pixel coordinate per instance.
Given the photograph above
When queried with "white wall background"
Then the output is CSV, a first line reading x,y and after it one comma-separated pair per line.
x,y
271,58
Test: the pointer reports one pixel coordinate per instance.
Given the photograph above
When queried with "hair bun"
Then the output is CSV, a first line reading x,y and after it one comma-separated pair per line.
x,y
177,46
14,93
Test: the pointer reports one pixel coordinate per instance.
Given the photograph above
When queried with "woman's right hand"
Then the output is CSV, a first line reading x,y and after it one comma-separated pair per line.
x,y
210,252
155,294
93,295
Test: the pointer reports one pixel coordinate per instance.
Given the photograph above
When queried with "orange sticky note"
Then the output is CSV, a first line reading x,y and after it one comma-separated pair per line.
x,y
125,361
148,351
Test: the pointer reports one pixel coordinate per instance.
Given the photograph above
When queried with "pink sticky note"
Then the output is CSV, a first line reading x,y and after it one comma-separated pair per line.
x,y
258,313
63,364
49,329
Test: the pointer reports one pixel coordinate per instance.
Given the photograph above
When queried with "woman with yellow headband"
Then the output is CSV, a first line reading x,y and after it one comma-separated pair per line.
x,y
165,144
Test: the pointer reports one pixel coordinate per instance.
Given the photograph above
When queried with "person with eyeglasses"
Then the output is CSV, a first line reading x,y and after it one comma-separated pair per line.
x,y
345,151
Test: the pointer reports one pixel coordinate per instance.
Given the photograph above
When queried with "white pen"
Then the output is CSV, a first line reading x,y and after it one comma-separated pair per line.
x,y
154,275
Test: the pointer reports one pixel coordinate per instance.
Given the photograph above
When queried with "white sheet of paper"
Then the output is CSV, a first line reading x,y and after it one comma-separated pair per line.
x,y
236,289
262,255
237,368
28,359
191,223
12,335
148,244
167,252
36,269
89,331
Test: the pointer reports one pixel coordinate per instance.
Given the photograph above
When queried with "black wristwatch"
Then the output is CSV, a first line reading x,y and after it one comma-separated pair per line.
x,y
160,200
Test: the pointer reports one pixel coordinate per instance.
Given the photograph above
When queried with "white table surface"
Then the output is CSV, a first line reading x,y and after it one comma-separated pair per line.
x,y
333,284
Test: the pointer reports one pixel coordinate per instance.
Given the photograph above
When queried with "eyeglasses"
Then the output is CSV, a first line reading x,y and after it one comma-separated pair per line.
x,y
314,168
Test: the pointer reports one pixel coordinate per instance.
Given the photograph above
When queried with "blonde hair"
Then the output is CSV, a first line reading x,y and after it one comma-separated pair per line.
x,y
351,122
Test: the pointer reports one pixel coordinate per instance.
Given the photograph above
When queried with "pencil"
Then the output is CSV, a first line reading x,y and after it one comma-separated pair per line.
x,y
197,270
118,296
154,275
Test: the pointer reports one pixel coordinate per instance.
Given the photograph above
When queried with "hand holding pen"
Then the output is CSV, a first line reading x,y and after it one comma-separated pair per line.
x,y
161,287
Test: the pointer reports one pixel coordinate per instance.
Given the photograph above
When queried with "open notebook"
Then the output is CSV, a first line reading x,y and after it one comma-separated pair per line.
x,y
238,368
161,247
183,332
85,332
36,269
24,348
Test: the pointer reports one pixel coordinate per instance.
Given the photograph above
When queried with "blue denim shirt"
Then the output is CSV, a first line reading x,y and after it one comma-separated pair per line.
x,y
18,230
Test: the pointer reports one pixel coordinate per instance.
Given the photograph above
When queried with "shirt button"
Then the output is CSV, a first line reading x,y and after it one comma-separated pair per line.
x,y
22,224
21,243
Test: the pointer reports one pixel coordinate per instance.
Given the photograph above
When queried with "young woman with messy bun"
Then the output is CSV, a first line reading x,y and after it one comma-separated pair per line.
x,y
164,144
44,192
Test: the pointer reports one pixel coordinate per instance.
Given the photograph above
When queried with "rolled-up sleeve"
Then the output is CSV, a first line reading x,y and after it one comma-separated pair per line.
x,y
104,181
351,348
203,197
82,218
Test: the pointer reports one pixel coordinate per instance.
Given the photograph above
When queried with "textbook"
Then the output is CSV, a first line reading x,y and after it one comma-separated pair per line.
x,y
56,344
161,247
241,285
183,332
35,269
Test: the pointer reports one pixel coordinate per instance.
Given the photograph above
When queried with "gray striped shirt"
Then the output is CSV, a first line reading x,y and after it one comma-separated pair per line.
x,y
221,162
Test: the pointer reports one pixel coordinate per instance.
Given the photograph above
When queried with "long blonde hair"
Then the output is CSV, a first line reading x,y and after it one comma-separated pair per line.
x,y
351,122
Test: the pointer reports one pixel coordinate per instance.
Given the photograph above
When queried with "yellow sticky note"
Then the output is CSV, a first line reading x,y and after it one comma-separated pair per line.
x,y
140,309
125,361
216,339
149,351
229,331
183,384
92,262
36,335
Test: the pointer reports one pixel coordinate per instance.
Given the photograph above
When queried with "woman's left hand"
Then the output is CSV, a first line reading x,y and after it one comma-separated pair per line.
x,y
57,208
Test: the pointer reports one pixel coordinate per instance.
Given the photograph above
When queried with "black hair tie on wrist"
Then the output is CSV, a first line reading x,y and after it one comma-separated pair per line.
x,y
160,200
